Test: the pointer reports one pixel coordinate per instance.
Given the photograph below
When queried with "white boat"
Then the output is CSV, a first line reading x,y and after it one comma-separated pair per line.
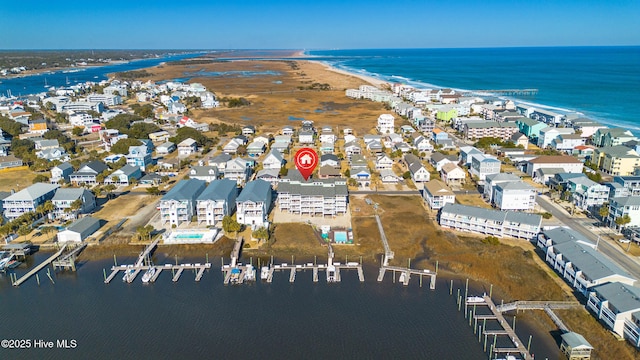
x,y
331,273
128,273
475,300
403,277
148,274
250,273
264,273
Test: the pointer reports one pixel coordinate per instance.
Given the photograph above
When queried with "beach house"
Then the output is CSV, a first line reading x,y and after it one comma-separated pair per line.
x,y
452,174
273,160
61,172
483,165
491,181
237,170
386,124
254,203
27,200
187,147
419,174
617,306
216,201
204,173
514,196
565,162
178,205
436,194
70,202
587,194
87,173
124,176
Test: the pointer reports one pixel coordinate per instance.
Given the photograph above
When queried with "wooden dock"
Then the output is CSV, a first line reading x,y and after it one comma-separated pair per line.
x,y
68,260
177,271
406,273
506,331
388,254
316,269
147,252
33,271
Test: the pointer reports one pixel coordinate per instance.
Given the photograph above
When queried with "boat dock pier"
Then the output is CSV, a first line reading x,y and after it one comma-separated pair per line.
x,y
147,252
507,92
480,322
406,272
331,268
68,260
235,272
40,266
176,271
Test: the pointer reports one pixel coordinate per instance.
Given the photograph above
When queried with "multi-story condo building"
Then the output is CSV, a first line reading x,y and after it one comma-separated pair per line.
x,y
483,165
617,306
632,183
178,205
612,137
106,99
482,129
217,201
27,200
574,257
490,222
616,160
548,134
315,197
254,203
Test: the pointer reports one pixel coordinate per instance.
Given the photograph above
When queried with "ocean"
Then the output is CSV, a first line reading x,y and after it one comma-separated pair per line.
x,y
602,83
208,320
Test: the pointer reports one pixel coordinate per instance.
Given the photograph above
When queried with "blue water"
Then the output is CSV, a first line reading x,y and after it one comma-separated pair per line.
x,y
603,83
35,84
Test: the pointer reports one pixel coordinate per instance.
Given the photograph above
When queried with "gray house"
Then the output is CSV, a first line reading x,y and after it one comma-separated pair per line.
x,y
124,175
61,172
87,172
64,199
27,200
216,201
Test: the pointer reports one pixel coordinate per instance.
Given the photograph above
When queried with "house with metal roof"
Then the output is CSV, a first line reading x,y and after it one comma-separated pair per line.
x,y
617,306
452,174
497,223
178,205
314,197
272,176
575,258
483,165
79,230
587,194
27,200
187,147
165,148
575,347
621,206
237,169
64,199
88,172
216,201
254,203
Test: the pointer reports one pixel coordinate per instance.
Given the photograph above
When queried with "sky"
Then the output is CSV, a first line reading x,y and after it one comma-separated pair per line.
x,y
316,24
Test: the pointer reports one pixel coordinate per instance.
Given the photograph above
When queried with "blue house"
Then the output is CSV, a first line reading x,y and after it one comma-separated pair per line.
x,y
139,156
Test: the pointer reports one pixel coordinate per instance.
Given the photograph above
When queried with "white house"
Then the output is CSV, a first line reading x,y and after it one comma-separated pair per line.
x,y
386,124
514,196
436,194
216,201
61,172
273,160
490,222
383,162
452,174
187,147
178,205
254,203
204,173
79,230
418,172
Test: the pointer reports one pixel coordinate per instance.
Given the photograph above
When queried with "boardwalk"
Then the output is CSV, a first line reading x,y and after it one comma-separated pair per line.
x,y
40,266
405,275
147,252
68,260
388,254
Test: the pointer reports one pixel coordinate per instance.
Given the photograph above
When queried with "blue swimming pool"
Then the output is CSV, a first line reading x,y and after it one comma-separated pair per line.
x,y
340,236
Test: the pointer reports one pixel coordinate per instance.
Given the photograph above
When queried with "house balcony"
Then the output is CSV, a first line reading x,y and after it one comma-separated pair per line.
x,y
632,332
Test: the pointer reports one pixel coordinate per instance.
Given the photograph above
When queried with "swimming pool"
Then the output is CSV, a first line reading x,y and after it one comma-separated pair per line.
x,y
340,236
189,236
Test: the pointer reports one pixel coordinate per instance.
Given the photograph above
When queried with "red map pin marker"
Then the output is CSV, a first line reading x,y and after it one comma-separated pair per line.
x,y
306,160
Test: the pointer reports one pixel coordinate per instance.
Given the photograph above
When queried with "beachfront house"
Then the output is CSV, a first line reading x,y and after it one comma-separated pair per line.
x,y
216,201
254,203
490,222
617,306
178,205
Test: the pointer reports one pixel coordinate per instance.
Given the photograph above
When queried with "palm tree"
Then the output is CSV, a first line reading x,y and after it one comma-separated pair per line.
x,y
24,230
48,207
109,189
603,212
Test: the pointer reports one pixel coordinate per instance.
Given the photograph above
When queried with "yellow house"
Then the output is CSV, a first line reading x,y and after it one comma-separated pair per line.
x,y
616,160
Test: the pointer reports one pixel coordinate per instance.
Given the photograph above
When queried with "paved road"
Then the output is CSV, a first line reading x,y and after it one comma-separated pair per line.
x,y
612,251
384,192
